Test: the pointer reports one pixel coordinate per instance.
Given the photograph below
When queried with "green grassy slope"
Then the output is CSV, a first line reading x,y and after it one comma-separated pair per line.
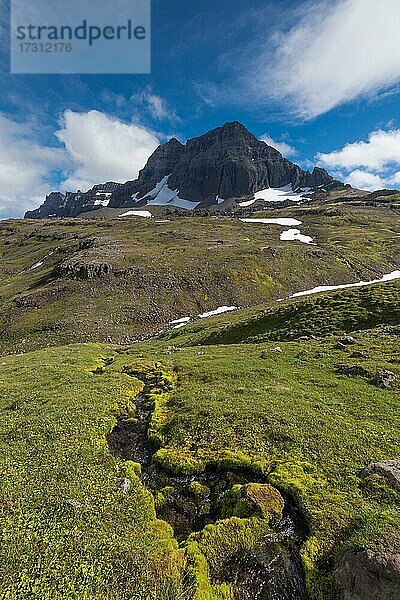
x,y
161,271
313,316
312,429
317,429
247,391
67,529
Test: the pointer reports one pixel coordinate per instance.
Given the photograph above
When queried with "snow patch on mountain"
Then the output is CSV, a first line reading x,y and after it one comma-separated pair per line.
x,y
36,265
162,195
277,221
296,236
278,195
178,323
137,213
102,198
326,288
288,235
218,311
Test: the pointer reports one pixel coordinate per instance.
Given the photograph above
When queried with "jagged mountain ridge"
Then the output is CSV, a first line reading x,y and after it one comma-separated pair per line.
x,y
72,204
227,162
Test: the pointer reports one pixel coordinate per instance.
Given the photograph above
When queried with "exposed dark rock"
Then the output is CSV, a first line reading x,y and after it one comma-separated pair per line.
x,y
394,330
87,244
340,346
26,303
368,575
270,251
359,354
84,271
385,379
390,469
72,204
347,340
354,371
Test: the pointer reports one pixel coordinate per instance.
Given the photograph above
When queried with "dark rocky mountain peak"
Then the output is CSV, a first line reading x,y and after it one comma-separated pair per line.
x,y
225,163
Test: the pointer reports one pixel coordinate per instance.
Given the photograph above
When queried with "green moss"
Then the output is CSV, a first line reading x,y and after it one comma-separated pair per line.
x,y
160,397
240,460
133,469
159,417
320,586
200,490
209,549
198,575
178,461
229,503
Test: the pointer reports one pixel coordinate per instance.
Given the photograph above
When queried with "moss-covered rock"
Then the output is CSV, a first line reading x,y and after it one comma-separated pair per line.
x,y
199,490
265,498
258,464
133,469
253,499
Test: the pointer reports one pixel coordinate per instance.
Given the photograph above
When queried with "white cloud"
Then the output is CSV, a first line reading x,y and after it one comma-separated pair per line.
x,y
102,148
24,168
365,181
282,147
97,148
337,51
369,165
155,105
395,179
381,149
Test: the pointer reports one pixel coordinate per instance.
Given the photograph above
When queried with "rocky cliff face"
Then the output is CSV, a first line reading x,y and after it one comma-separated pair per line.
x,y
73,204
227,162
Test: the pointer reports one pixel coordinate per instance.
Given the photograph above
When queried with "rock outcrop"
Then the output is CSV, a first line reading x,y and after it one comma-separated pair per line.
x,y
390,469
226,163
73,204
368,575
385,379
84,270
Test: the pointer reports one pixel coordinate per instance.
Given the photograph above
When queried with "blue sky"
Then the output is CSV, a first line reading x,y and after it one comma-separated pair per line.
x,y
317,79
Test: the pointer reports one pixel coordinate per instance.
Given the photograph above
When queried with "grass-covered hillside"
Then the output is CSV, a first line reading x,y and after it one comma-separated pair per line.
x,y
67,528
314,316
222,460
116,280
284,414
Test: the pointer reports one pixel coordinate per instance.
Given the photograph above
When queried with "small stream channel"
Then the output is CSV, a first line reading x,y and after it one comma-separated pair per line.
x,y
272,570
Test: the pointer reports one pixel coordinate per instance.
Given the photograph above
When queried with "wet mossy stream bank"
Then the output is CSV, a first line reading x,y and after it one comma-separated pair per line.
x,y
248,533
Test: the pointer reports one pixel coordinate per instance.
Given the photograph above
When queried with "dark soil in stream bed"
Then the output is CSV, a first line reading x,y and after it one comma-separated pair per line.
x,y
128,440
